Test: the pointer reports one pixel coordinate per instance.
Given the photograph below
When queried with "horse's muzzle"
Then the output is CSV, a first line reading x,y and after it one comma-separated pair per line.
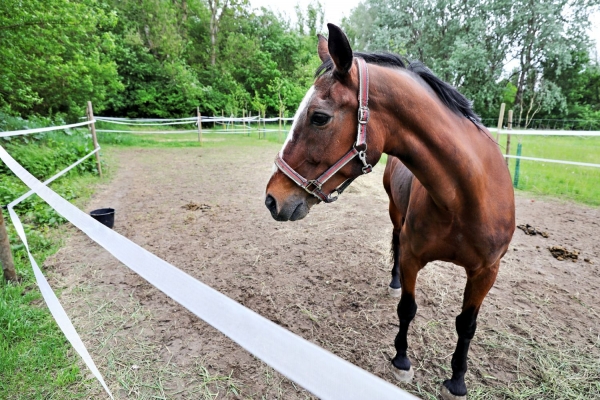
x,y
292,209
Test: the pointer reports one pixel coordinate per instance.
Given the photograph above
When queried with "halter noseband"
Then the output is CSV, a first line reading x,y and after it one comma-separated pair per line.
x,y
359,148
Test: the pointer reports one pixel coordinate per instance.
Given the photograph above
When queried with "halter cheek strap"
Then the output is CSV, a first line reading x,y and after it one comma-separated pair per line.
x,y
314,186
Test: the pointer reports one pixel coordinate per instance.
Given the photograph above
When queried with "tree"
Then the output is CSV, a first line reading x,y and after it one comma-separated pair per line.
x,y
546,29
470,43
56,55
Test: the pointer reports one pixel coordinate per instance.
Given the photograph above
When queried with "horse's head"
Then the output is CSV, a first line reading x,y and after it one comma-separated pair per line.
x,y
323,152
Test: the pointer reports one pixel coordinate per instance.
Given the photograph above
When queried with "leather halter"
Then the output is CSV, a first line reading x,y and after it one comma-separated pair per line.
x,y
314,186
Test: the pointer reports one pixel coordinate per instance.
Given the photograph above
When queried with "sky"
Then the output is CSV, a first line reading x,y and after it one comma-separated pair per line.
x,y
335,10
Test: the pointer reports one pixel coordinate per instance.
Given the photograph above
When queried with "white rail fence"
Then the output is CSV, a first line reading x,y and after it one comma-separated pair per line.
x,y
258,120
322,373
231,125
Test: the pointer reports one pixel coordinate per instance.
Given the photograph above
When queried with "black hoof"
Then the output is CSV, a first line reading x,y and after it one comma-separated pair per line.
x,y
456,388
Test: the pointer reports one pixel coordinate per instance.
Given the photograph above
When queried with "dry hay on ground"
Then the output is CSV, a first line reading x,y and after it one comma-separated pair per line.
x,y
323,278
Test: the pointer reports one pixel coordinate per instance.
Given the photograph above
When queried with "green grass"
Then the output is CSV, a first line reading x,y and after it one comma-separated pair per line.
x,y
557,180
36,361
213,137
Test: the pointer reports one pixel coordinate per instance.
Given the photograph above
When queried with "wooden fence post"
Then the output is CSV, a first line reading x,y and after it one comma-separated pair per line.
x,y
510,116
279,133
199,125
90,113
244,119
500,120
6,258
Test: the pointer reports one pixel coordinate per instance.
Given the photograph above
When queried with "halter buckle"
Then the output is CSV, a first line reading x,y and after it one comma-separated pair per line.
x,y
363,115
316,184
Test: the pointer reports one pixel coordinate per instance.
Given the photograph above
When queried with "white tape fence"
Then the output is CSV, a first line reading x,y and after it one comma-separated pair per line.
x,y
248,128
48,129
56,309
322,373
532,132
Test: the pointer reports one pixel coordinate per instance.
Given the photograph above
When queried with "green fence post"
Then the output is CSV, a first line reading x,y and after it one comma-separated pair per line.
x,y
517,166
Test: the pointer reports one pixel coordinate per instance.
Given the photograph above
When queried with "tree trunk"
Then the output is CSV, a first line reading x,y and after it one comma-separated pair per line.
x,y
213,37
215,19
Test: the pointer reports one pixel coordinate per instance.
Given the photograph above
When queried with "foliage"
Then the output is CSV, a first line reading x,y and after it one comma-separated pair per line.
x,y
55,55
164,58
473,44
43,155
175,60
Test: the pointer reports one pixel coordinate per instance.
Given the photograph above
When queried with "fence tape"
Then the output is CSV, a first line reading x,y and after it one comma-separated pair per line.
x,y
55,177
56,309
148,132
149,123
220,131
145,119
544,132
322,373
581,164
48,129
176,121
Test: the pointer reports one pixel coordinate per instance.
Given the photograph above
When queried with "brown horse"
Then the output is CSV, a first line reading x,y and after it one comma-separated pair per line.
x,y
451,196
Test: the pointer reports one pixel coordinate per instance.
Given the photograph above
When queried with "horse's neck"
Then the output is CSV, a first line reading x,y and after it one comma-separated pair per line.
x,y
431,140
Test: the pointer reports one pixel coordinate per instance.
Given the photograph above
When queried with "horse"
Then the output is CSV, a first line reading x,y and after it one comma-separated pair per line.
x,y
450,193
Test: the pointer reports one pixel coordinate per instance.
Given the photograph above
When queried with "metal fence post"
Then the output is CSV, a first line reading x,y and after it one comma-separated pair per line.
x,y
517,166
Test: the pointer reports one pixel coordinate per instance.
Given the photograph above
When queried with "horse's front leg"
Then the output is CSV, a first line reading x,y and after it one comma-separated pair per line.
x,y
479,282
407,308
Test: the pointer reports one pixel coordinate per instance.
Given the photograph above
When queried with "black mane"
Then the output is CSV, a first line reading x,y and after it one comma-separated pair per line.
x,y
447,93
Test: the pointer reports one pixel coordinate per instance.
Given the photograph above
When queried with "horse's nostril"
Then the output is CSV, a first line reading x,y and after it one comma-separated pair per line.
x,y
271,203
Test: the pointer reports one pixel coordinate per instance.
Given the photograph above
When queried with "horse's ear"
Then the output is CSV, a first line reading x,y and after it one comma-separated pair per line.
x,y
339,49
322,48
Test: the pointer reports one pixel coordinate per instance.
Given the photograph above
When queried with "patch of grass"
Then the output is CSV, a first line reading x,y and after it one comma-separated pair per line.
x,y
546,369
36,360
558,180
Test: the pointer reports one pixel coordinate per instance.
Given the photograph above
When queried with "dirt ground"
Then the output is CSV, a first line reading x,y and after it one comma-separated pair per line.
x,y
325,279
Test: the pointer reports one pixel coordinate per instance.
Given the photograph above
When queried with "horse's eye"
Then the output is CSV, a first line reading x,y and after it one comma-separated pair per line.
x,y
319,119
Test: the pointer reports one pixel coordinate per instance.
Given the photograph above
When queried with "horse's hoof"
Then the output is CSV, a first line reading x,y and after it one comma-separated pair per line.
x,y
402,375
394,292
446,395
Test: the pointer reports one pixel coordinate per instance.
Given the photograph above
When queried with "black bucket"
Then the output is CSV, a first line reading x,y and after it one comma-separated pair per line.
x,y
105,216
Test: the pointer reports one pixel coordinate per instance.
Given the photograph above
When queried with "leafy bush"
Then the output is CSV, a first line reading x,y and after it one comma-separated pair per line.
x,y
43,155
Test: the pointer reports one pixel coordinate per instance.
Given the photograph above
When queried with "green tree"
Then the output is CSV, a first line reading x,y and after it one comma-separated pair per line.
x,y
55,55
470,43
